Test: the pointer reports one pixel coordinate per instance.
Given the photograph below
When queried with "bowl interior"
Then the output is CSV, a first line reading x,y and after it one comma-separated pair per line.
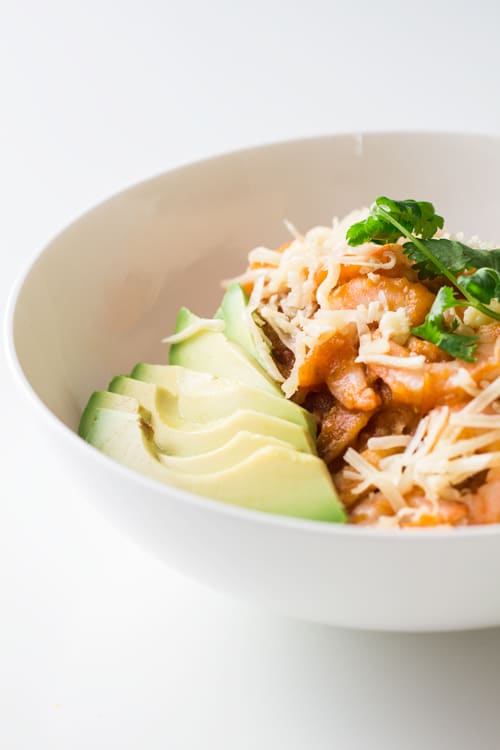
x,y
105,292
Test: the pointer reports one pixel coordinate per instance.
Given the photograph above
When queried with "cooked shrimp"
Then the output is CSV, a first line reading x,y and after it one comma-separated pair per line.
x,y
371,509
317,366
334,362
347,380
424,388
415,298
484,505
424,513
430,351
402,266
487,364
419,513
435,383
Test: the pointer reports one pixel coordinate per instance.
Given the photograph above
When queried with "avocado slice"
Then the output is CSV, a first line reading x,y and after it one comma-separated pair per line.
x,y
236,449
232,312
179,437
274,479
212,352
240,446
105,400
202,397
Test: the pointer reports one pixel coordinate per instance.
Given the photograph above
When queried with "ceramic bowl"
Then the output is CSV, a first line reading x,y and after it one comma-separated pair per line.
x,y
102,295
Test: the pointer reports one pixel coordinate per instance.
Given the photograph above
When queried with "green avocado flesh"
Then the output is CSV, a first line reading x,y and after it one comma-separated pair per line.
x,y
235,450
233,312
288,482
202,397
104,400
178,437
212,352
215,424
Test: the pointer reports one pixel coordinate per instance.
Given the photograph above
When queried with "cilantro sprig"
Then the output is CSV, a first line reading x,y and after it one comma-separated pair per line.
x,y
390,219
454,255
417,221
435,329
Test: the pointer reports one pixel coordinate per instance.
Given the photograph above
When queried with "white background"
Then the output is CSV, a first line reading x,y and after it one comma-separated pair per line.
x,y
101,647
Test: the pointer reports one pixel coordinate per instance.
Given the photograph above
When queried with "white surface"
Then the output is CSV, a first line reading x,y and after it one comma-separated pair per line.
x,y
99,646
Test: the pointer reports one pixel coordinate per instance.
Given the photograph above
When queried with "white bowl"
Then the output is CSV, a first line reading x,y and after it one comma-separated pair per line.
x,y
104,293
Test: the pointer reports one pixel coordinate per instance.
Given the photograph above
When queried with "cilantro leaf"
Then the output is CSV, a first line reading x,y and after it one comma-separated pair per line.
x,y
482,258
417,221
417,217
420,215
453,255
372,229
435,330
484,284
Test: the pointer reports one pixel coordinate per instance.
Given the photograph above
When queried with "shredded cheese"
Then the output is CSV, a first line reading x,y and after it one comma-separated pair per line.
x,y
203,324
436,458
388,442
291,289
375,477
462,379
395,325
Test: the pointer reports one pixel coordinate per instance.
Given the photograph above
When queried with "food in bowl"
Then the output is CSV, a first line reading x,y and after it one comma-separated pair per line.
x,y
350,375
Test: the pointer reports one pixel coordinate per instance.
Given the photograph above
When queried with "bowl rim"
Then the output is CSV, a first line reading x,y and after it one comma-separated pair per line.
x,y
259,518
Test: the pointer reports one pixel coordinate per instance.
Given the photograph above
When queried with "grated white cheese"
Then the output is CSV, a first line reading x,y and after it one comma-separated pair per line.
x,y
328,285
388,442
376,478
369,345
395,325
436,458
478,404
264,255
203,324
375,312
294,286
293,230
291,289
482,421
462,379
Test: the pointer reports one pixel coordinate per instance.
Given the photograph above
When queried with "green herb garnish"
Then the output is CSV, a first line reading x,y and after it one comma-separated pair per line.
x,y
484,284
453,255
418,217
434,327
389,220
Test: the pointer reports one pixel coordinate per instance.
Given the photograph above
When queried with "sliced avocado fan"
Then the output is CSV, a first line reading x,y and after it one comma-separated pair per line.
x,y
201,397
214,423
236,449
273,479
179,437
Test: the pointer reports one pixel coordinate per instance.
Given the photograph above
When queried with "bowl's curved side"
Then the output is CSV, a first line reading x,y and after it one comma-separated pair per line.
x,y
407,581
104,293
